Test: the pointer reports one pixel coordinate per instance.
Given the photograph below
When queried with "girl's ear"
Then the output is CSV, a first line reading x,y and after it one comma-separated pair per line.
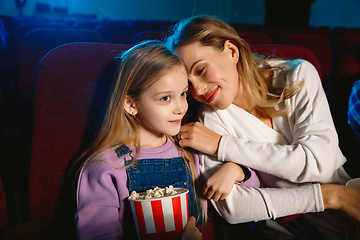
x,y
130,106
233,49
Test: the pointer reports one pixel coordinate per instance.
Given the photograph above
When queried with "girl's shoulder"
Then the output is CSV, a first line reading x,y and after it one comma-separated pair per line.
x,y
107,161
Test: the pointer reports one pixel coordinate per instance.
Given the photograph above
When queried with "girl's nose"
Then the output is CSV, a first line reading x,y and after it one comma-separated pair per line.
x,y
181,106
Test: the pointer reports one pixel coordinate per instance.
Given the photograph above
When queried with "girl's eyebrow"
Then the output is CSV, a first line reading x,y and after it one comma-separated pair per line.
x,y
163,92
170,91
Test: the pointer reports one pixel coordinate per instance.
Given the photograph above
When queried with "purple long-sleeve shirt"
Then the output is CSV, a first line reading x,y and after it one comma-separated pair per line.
x,y
103,188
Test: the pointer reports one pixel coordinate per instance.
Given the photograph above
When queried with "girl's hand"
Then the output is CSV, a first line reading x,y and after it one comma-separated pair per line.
x,y
220,184
342,198
196,136
191,232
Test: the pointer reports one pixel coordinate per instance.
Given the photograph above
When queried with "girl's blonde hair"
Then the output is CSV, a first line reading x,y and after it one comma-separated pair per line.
x,y
255,73
137,69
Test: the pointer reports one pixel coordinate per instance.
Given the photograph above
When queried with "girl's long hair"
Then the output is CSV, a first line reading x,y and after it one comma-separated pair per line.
x,y
255,73
137,69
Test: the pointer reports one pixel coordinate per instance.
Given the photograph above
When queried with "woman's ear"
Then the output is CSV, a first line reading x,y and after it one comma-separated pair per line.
x,y
130,105
233,49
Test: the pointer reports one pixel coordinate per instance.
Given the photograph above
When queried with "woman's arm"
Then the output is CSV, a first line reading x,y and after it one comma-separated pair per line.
x,y
310,155
254,204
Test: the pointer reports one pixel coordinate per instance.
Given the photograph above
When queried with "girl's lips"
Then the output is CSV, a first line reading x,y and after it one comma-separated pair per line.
x,y
211,95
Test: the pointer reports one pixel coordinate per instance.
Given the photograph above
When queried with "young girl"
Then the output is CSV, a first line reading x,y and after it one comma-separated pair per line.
x,y
134,150
270,115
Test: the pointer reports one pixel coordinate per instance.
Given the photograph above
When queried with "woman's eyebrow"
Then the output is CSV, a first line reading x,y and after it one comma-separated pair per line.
x,y
192,66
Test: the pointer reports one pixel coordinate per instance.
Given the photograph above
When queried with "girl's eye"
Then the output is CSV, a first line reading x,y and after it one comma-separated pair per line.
x,y
199,72
165,99
183,94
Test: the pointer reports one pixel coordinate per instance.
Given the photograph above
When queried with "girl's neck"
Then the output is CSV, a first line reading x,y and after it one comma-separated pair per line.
x,y
150,141
153,144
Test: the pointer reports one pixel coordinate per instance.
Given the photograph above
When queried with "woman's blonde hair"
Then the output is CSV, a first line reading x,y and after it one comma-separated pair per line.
x,y
255,74
137,69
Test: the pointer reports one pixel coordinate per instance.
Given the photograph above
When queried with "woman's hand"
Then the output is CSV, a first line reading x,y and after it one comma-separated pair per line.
x,y
342,198
199,137
220,184
191,232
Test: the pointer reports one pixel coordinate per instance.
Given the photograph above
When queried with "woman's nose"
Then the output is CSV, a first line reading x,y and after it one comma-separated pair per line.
x,y
198,87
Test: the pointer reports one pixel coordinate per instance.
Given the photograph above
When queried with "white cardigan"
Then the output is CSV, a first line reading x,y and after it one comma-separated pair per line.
x,y
291,159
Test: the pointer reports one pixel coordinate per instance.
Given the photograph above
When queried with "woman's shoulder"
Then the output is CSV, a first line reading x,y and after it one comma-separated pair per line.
x,y
292,65
298,70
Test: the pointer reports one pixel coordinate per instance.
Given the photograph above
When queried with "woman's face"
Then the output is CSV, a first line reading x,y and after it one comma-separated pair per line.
x,y
213,75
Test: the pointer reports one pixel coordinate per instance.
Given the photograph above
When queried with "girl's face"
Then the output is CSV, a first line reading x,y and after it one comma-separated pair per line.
x,y
162,106
212,74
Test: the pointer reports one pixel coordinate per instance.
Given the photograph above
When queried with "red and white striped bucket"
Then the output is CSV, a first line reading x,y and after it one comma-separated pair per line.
x,y
161,218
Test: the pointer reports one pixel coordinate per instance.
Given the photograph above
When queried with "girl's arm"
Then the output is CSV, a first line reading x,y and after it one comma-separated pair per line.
x,y
100,202
220,184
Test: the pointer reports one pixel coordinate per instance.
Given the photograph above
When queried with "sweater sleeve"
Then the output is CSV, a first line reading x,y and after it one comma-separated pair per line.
x,y
312,155
246,204
100,200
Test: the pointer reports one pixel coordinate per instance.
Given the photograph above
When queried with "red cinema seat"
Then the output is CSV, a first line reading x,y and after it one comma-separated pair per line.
x,y
70,91
320,45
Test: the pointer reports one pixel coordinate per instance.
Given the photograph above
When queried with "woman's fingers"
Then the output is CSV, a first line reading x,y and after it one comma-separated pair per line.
x,y
199,137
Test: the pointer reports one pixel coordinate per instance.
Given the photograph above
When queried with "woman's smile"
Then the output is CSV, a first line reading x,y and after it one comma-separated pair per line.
x,y
211,95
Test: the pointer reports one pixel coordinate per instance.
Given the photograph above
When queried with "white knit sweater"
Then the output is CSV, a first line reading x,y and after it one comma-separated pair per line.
x,y
292,158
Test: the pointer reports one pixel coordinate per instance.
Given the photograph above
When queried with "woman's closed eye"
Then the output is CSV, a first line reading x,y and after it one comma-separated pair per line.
x,y
200,71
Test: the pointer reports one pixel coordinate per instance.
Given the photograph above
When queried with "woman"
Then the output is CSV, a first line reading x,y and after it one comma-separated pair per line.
x,y
269,115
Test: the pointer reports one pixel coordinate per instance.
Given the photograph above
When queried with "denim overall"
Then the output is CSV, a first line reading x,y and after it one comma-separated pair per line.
x,y
150,173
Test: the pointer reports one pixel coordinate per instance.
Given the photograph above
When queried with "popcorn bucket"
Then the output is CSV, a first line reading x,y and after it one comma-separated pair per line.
x,y
352,229
161,218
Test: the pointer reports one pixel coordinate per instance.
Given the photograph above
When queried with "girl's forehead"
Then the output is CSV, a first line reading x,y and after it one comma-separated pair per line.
x,y
173,79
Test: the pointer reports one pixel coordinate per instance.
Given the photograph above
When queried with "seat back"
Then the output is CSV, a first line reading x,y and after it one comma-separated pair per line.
x,y
345,72
119,33
277,33
286,52
319,44
3,207
345,41
149,34
324,30
256,38
23,28
71,85
34,46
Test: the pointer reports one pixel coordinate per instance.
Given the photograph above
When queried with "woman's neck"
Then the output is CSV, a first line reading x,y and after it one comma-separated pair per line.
x,y
243,101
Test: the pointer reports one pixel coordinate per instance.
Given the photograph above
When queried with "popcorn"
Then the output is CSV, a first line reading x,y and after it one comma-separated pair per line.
x,y
160,213
154,193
